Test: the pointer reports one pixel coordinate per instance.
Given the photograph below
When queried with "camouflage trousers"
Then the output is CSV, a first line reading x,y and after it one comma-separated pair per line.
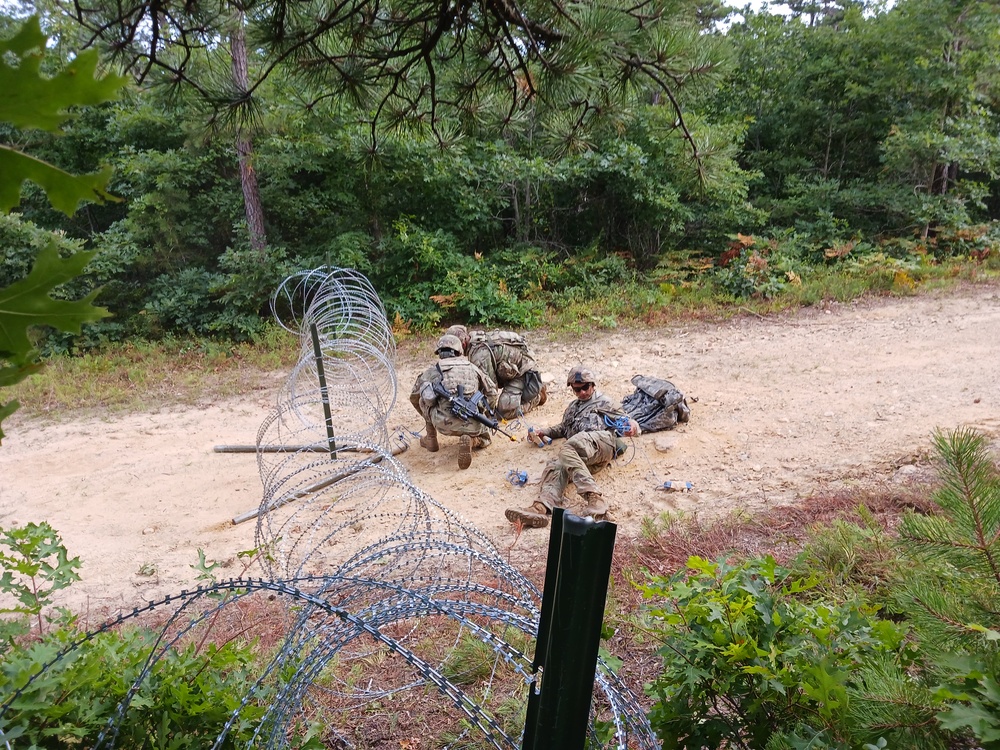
x,y
510,404
447,423
578,456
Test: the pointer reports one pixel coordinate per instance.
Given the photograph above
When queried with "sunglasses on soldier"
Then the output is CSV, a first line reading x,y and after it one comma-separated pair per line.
x,y
582,388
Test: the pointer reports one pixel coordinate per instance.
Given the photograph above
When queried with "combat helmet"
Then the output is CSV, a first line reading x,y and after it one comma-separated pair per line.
x,y
461,332
451,342
579,375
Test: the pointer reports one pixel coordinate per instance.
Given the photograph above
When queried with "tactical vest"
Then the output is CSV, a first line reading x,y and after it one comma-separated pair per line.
x,y
458,371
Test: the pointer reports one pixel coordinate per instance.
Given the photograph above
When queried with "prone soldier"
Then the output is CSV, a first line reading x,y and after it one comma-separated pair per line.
x,y
592,426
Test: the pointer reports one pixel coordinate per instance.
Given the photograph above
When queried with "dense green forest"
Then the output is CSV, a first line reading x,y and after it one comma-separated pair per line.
x,y
755,151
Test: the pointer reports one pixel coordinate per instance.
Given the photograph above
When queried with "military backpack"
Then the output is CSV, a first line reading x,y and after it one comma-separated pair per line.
x,y
656,404
511,357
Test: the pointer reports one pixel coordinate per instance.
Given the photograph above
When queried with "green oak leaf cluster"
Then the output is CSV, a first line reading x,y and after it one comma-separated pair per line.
x,y
33,100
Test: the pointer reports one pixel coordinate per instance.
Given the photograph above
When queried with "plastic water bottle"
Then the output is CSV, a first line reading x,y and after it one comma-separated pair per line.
x,y
676,486
517,477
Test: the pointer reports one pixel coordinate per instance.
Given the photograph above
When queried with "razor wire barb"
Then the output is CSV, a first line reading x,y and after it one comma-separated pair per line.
x,y
366,565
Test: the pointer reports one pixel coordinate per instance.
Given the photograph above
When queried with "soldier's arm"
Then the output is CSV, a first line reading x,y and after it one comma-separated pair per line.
x,y
415,393
616,413
423,396
488,387
561,429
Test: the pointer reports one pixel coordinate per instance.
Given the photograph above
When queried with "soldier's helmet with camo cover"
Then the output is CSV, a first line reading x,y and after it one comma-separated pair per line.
x,y
449,342
580,375
461,332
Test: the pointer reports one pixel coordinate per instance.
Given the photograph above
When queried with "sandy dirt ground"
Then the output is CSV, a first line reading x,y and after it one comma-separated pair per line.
x,y
826,399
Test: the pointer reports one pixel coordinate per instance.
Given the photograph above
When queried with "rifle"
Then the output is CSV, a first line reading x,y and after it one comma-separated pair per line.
x,y
467,408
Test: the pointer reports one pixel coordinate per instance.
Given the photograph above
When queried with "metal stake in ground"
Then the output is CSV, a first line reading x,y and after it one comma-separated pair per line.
x,y
323,391
569,632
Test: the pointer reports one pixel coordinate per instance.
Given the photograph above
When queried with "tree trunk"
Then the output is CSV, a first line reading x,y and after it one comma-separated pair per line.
x,y
952,173
253,206
515,206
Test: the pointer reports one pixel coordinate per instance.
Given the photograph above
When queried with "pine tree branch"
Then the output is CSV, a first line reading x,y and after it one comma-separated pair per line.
x,y
973,469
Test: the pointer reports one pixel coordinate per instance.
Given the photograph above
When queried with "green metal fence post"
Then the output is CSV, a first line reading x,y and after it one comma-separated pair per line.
x,y
569,632
321,375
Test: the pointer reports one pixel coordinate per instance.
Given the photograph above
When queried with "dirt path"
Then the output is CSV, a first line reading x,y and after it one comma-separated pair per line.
x,y
839,397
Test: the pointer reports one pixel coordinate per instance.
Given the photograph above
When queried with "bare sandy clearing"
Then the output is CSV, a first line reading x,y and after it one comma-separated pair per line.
x,y
787,406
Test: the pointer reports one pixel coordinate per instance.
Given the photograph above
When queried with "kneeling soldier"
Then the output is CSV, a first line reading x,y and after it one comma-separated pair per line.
x,y
446,393
506,358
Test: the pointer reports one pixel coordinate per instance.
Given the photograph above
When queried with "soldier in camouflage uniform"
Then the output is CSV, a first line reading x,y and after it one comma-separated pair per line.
x,y
590,444
506,358
453,370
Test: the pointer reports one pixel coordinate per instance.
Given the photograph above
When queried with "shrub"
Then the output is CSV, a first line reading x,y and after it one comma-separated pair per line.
x,y
952,592
35,565
427,278
21,242
185,300
747,658
126,685
244,292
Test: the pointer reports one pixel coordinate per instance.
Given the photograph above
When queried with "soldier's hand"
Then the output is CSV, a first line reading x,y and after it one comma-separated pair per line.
x,y
633,429
536,437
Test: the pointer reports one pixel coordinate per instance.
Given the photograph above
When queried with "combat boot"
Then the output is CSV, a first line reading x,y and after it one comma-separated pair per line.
x,y
430,440
595,507
535,517
543,395
465,451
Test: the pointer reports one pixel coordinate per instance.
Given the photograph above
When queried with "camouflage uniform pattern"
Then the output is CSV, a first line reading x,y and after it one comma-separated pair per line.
x,y
506,364
590,445
453,372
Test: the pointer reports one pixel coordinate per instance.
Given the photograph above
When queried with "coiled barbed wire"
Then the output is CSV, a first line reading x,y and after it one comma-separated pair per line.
x,y
368,566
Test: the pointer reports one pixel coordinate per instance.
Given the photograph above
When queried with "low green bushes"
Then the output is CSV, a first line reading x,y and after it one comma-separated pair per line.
x,y
867,646
60,687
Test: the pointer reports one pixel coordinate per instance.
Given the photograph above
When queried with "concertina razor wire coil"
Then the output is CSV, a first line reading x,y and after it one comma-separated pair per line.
x,y
367,566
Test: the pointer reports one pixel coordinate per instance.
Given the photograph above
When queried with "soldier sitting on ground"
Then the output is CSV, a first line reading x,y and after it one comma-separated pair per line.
x,y
591,443
460,378
506,358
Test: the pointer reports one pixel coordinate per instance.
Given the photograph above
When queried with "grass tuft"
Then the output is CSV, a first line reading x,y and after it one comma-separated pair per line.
x,y
140,376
